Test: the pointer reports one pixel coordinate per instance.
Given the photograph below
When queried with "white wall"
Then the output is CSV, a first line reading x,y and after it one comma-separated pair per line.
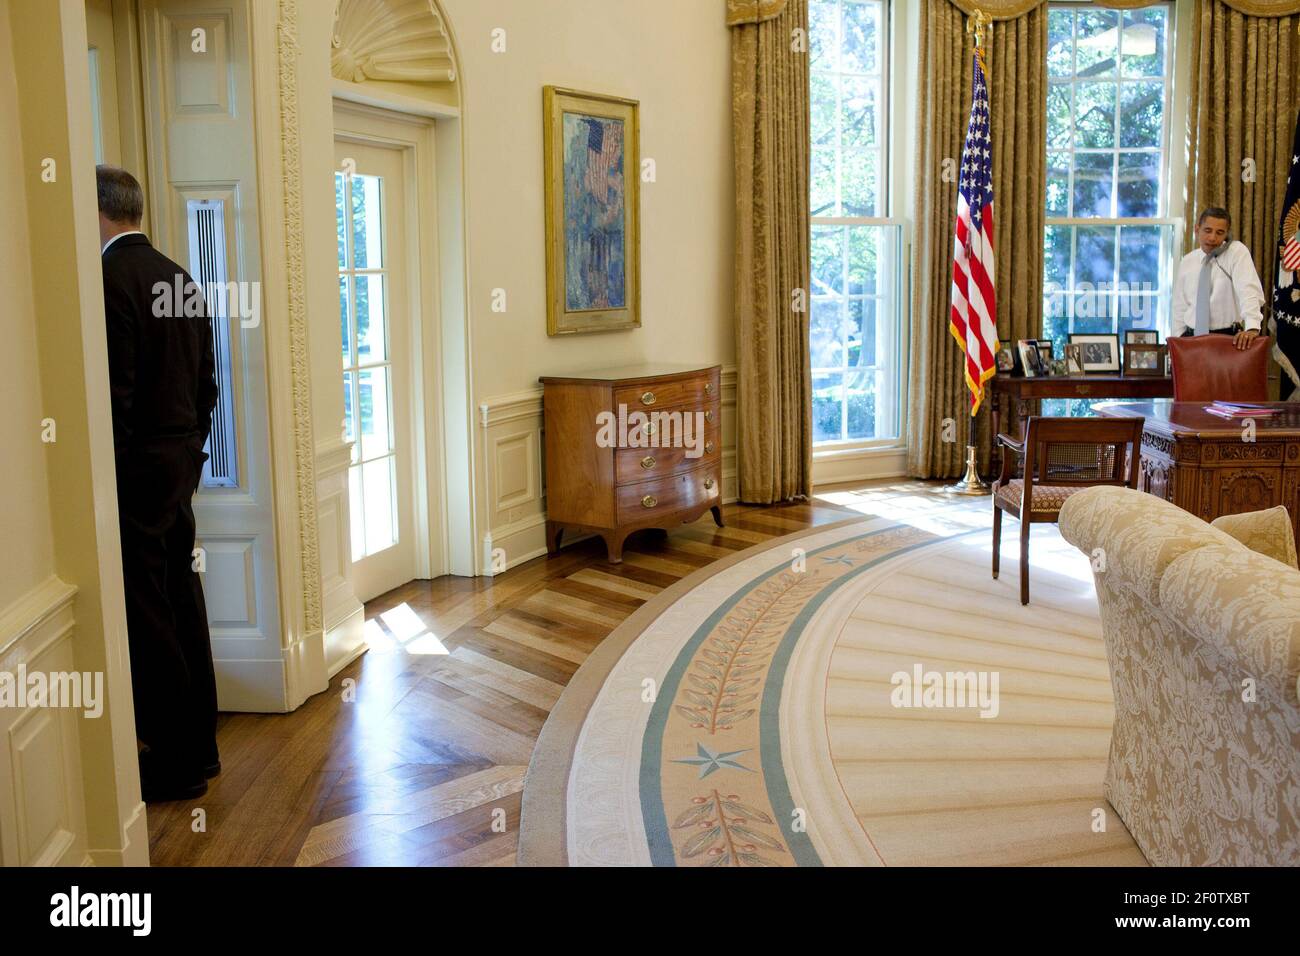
x,y
674,57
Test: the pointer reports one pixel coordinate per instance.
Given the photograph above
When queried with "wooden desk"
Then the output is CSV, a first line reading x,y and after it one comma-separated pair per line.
x,y
1203,464
1022,391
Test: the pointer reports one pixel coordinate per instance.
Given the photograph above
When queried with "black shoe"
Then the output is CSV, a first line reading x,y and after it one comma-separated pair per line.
x,y
161,791
212,770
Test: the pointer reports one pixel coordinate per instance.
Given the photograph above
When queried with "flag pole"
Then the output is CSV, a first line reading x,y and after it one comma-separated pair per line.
x,y
971,484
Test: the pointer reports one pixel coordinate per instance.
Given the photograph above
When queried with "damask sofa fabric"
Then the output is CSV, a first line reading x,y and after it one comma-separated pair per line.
x,y
1202,638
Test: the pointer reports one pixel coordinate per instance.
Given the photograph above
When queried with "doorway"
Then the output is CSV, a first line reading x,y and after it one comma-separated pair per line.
x,y
378,221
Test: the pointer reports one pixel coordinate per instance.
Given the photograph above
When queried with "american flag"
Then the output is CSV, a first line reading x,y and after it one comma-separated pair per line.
x,y
974,307
604,140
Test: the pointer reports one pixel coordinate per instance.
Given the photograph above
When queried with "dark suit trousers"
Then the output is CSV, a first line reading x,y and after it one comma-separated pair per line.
x,y
172,677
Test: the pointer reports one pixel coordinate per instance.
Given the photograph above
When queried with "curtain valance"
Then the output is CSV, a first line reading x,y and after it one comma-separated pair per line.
x,y
740,12
1010,9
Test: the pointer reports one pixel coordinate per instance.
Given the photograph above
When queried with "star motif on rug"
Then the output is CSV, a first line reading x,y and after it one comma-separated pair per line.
x,y
842,559
708,761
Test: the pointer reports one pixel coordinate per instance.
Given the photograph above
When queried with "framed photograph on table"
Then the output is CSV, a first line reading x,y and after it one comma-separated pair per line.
x,y
1045,355
1074,359
1141,336
1030,358
592,179
1143,359
1006,360
1100,352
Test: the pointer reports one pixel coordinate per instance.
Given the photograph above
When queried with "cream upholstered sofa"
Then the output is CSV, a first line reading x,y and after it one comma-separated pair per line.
x,y
1202,633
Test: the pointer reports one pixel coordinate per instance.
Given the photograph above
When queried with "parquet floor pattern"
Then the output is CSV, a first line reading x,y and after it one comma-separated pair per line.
x,y
416,754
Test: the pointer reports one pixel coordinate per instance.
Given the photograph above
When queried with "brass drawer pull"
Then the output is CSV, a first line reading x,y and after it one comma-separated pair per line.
x,y
649,501
708,388
708,416
708,484
648,461
708,448
648,398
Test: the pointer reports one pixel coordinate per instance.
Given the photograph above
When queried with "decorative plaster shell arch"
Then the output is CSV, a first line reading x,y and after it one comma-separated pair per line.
x,y
396,40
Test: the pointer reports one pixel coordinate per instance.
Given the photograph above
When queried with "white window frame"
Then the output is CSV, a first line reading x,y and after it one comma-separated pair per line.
x,y
892,35
1168,173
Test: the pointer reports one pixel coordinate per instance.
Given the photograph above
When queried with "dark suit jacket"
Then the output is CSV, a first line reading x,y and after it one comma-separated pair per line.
x,y
160,363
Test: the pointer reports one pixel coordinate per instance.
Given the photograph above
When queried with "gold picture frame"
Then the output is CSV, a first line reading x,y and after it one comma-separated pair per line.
x,y
593,271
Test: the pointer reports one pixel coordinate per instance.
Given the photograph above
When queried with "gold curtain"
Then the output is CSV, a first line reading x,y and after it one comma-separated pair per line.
x,y
770,125
1245,97
752,11
1016,51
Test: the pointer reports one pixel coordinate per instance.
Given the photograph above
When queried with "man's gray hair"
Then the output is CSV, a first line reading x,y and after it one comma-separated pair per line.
x,y
120,197
1213,212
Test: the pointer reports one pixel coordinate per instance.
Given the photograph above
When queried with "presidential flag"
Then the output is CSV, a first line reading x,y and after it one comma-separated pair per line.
x,y
974,318
1286,293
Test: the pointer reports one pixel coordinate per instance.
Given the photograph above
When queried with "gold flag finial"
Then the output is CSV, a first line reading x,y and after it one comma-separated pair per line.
x,y
976,24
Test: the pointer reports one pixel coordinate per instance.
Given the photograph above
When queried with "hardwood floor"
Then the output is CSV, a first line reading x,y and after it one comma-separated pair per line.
x,y
416,754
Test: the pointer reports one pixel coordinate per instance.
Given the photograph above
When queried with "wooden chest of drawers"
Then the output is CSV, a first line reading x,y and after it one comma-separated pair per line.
x,y
631,448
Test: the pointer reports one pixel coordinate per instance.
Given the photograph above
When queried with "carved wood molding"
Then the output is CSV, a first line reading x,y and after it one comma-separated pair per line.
x,y
397,40
300,367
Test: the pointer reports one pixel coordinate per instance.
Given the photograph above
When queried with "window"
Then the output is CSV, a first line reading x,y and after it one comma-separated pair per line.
x,y
856,250
1108,248
367,382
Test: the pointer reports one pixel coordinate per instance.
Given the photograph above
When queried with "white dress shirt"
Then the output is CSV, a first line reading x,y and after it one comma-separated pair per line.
x,y
1235,292
133,232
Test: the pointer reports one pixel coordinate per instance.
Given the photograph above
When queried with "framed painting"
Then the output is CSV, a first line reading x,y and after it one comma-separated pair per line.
x,y
593,226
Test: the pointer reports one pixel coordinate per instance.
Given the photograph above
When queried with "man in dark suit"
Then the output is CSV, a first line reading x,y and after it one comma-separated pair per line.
x,y
160,368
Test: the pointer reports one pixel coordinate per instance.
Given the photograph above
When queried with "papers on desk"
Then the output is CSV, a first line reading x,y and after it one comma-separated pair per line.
x,y
1240,410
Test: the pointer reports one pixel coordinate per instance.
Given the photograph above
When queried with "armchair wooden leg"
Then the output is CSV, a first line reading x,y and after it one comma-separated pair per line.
x,y
997,538
1024,559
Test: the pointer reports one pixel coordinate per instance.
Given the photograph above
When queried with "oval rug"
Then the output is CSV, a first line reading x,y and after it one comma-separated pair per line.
x,y
860,693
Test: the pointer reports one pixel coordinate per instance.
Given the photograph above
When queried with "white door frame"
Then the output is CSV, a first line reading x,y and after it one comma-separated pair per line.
x,y
414,136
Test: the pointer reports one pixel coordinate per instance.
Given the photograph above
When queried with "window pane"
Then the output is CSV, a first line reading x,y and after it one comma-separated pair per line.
x,y
826,332
864,260
1094,256
375,402
1093,182
1060,42
367,228
859,113
1144,41
1058,184
860,38
823,17
372,331
858,194
1142,111
823,182
1092,313
825,101
1060,124
1139,185
860,394
1140,258
1056,251
1094,125
343,321
828,417
827,259
1097,43
862,332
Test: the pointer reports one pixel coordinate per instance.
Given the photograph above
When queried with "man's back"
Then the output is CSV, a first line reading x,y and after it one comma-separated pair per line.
x,y
160,357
